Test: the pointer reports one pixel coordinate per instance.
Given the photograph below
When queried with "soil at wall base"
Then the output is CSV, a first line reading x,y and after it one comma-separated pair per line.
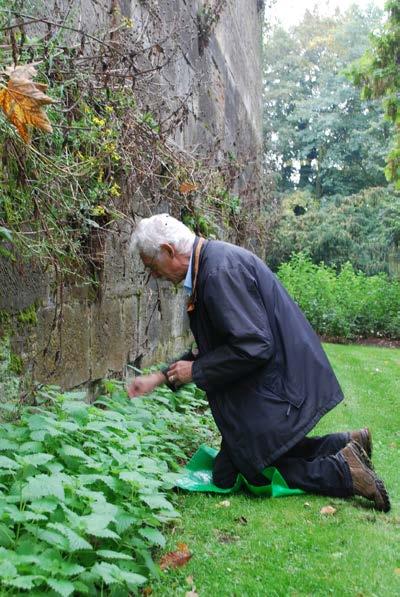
x,y
370,341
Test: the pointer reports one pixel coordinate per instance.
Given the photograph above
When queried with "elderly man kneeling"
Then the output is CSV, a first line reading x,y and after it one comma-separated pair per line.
x,y
267,378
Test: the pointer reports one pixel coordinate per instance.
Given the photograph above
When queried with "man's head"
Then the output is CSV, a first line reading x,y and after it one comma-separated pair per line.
x,y
165,246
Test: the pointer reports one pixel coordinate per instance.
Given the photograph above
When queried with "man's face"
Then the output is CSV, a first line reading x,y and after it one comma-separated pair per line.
x,y
166,265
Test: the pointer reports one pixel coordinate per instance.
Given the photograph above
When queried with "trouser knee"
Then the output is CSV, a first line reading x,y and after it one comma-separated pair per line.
x,y
224,472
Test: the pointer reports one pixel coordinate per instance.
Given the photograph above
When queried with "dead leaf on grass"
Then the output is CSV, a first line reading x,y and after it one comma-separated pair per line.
x,y
328,510
241,520
173,559
224,504
191,593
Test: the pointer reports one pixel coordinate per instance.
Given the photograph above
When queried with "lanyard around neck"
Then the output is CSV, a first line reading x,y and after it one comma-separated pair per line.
x,y
192,301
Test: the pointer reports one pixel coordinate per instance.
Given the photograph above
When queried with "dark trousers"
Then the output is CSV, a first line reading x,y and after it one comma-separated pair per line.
x,y
313,465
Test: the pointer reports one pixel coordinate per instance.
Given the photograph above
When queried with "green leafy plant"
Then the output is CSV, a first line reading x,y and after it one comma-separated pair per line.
x,y
84,488
207,18
346,304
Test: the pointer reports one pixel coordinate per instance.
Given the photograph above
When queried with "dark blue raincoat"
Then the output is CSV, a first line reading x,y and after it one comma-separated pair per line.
x,y
267,378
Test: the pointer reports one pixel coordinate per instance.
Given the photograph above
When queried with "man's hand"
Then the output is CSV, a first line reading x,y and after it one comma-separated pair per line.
x,y
145,384
180,373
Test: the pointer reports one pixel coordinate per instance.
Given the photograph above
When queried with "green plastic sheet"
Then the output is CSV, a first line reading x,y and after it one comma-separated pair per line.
x,y
197,476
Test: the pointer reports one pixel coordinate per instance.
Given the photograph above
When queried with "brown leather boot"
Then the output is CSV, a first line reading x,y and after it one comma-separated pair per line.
x,y
364,438
365,481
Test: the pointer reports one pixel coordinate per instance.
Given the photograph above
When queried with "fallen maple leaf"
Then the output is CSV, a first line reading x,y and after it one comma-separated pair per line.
x,y
22,101
328,510
187,187
173,559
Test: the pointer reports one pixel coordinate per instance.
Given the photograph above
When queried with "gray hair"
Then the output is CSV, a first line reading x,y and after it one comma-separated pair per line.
x,y
152,232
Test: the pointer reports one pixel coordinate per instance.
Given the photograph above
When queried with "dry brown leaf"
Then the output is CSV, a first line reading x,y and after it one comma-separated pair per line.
x,y
328,510
147,591
22,101
173,559
191,593
187,187
23,71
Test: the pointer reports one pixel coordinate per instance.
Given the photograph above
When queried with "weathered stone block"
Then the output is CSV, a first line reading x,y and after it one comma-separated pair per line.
x,y
108,350
63,345
21,285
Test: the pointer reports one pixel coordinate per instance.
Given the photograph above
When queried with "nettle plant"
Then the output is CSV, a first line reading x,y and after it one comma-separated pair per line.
x,y
84,488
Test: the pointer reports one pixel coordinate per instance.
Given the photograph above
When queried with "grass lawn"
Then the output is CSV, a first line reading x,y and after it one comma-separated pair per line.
x,y
284,546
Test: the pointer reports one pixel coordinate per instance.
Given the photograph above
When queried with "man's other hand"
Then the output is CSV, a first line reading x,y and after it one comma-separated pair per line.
x,y
180,373
145,384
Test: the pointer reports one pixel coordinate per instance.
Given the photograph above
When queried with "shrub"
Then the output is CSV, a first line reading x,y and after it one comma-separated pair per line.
x,y
346,304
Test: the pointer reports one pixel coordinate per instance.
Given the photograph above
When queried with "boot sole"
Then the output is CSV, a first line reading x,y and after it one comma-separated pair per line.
x,y
385,507
380,486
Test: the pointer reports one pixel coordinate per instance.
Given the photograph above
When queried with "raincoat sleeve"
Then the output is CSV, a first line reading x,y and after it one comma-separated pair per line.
x,y
240,322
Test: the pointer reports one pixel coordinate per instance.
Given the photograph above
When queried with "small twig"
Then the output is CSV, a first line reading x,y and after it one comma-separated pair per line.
x,y
61,26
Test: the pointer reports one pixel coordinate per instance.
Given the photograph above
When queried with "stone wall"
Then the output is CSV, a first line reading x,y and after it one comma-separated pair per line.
x,y
80,338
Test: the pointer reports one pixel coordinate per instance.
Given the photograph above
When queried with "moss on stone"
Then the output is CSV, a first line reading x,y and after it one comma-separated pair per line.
x,y
10,368
29,315
15,364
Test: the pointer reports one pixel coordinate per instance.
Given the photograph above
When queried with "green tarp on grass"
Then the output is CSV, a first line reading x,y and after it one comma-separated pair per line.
x,y
197,476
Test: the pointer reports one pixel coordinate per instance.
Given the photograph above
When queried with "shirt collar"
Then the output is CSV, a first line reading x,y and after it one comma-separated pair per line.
x,y
187,284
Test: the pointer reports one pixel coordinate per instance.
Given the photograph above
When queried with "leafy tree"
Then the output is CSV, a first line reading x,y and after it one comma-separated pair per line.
x,y
378,73
363,229
317,132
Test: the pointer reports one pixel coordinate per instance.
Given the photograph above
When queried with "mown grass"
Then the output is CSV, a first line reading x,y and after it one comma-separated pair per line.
x,y
278,547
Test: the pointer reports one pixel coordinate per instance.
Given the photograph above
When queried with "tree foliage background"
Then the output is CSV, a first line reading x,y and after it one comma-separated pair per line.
x,y
378,73
326,143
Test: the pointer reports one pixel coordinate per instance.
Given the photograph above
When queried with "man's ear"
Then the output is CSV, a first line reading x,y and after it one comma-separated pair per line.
x,y
169,249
